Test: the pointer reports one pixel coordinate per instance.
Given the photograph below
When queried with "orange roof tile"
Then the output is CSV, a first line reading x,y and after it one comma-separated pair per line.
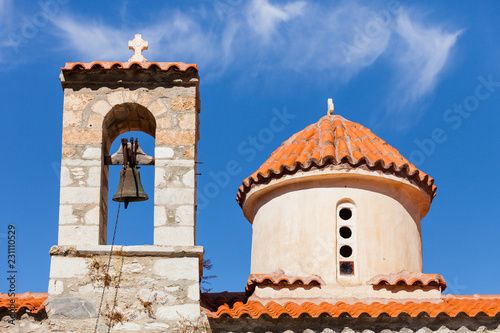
x,y
164,66
449,305
279,277
409,279
28,301
335,140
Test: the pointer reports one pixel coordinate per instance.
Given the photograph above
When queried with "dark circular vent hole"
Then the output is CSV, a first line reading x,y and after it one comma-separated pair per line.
x,y
345,251
345,214
345,232
346,268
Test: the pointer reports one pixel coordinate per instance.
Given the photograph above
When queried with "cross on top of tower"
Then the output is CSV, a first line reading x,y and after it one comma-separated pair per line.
x,y
138,45
330,106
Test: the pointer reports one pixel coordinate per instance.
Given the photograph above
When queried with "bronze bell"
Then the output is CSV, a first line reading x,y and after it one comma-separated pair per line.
x,y
130,187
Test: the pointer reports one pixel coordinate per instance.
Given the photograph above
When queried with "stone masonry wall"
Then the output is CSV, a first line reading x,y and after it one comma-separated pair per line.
x,y
148,288
92,119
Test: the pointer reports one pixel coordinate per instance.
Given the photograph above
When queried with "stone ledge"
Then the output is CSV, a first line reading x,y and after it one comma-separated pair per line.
x,y
127,251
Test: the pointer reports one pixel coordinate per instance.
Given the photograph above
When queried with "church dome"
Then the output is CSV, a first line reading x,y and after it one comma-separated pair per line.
x,y
334,140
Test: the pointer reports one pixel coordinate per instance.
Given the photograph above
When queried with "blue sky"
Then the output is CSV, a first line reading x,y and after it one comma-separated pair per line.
x,y
424,76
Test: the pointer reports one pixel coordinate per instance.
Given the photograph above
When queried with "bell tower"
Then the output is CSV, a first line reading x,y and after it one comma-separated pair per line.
x,y
144,287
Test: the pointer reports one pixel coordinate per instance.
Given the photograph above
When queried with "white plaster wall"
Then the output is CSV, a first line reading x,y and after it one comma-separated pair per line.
x,y
294,226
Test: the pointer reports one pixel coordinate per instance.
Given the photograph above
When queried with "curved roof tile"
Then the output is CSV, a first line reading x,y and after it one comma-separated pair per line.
x,y
449,305
334,140
164,66
28,301
279,277
409,279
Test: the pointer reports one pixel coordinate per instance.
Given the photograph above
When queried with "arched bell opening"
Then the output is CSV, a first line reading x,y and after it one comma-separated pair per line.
x,y
135,225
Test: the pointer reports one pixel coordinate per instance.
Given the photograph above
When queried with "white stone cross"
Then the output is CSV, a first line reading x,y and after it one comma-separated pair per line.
x,y
330,106
138,45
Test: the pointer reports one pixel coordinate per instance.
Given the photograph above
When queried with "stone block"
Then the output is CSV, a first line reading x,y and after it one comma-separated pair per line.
x,y
68,151
81,136
160,215
95,121
66,178
68,267
130,96
177,269
187,121
168,177
115,98
180,235
92,153
144,98
173,196
77,101
133,268
175,138
92,216
194,292
71,308
101,107
188,179
157,108
184,104
189,153
94,176
163,152
56,287
184,215
86,195
89,289
163,122
174,312
67,216
72,119
78,235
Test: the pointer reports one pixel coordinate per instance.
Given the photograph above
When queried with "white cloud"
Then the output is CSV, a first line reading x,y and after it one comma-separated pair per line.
x,y
421,57
263,17
338,41
93,40
5,26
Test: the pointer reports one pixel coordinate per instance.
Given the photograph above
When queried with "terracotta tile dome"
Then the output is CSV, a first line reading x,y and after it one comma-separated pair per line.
x,y
334,140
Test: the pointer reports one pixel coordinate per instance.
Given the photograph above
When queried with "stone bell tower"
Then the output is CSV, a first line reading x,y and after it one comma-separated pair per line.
x,y
145,287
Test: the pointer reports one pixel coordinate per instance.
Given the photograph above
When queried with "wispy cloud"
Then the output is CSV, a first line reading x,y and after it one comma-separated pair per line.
x,y
93,40
420,57
339,40
5,26
264,18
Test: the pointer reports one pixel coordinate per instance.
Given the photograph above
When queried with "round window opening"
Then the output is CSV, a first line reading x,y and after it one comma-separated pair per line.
x,y
345,251
345,232
345,214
